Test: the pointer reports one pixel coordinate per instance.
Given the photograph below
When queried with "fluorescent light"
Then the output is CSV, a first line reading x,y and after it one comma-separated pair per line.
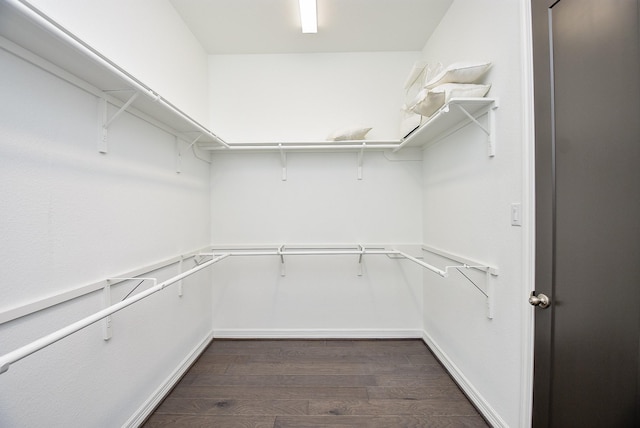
x,y
308,16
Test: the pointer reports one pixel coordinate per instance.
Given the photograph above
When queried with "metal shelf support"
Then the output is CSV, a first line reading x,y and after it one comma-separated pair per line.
x,y
106,121
283,162
283,271
490,273
107,330
490,131
360,157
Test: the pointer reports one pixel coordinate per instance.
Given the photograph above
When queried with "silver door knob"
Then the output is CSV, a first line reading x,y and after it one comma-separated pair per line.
x,y
541,300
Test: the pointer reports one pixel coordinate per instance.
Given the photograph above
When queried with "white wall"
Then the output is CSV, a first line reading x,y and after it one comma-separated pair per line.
x,y
72,216
145,37
466,210
321,202
304,97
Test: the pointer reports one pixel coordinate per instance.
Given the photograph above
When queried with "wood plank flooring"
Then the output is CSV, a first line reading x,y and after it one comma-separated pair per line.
x,y
315,383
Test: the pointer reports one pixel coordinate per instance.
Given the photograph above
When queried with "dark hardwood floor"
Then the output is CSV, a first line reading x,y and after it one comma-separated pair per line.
x,y
312,383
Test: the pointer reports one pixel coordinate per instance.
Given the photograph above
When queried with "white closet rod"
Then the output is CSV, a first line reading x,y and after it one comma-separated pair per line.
x,y
361,251
20,353
26,350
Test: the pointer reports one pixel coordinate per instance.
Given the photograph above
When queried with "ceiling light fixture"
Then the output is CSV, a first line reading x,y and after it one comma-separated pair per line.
x,y
308,16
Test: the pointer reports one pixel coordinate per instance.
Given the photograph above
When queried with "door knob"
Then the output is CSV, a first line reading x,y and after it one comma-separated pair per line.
x,y
541,300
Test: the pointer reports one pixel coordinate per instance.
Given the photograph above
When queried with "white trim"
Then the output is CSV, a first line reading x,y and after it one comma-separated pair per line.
x,y
472,393
317,334
165,387
528,220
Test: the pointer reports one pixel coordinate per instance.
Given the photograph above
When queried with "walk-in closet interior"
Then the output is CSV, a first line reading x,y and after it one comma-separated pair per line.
x,y
162,188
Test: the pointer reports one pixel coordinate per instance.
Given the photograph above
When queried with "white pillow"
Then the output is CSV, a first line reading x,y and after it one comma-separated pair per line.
x,y
348,134
419,75
427,102
461,72
416,75
462,90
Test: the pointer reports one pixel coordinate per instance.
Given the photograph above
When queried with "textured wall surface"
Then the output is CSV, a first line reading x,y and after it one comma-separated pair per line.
x,y
72,216
322,202
467,198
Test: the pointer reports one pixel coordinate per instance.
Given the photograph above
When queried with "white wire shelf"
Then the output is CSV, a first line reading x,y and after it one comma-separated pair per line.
x,y
32,36
345,145
457,113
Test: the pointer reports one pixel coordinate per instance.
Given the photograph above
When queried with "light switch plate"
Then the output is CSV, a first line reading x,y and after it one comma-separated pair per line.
x,y
516,214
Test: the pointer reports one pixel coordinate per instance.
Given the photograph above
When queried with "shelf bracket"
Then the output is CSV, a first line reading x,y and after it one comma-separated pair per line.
x,y
490,272
283,271
283,162
106,121
490,294
180,269
179,152
488,291
490,131
106,322
360,157
102,119
107,331
360,267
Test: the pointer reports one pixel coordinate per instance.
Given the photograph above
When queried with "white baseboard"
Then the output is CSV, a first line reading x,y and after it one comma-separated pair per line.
x,y
317,334
472,393
158,395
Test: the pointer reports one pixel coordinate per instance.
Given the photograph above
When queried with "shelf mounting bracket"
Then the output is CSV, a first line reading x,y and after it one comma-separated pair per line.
x,y
283,271
106,121
106,326
179,152
490,294
360,157
490,132
488,291
107,331
283,161
180,269
360,268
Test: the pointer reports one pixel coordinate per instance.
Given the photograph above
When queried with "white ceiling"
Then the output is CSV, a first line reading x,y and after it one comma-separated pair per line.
x,y
272,26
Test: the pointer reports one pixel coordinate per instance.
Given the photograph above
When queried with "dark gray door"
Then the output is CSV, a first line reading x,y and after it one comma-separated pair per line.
x,y
587,96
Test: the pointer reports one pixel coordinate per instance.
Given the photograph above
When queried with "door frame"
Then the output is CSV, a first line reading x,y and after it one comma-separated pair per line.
x,y
529,202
